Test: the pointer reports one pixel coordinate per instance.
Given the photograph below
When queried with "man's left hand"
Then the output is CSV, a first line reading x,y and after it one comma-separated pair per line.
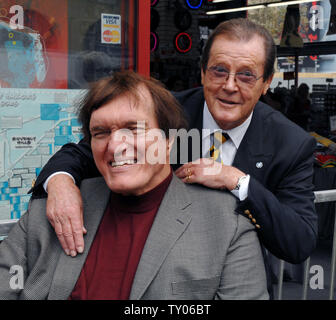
x,y
209,173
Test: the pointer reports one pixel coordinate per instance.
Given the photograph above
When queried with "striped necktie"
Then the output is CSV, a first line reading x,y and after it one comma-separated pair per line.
x,y
217,139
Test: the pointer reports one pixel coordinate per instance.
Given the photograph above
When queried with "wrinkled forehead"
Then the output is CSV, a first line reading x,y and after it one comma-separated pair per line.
x,y
138,98
141,102
240,38
143,98
130,106
249,47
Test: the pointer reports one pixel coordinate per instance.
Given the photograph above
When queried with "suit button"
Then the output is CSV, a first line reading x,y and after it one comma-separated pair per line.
x,y
254,220
257,226
247,212
250,216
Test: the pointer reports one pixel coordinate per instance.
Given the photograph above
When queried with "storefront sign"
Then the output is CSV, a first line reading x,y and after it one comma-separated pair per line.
x,y
110,28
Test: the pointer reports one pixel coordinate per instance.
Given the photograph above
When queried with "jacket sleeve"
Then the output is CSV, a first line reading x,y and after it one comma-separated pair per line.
x,y
243,276
75,159
285,218
13,262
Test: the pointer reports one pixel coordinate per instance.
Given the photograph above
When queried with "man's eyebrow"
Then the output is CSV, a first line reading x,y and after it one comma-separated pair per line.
x,y
140,123
137,123
97,128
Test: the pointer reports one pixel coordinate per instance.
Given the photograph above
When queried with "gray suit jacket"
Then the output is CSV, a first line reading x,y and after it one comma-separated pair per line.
x,y
197,248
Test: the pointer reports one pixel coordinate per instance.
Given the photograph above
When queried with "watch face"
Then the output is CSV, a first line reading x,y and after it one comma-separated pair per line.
x,y
182,19
239,183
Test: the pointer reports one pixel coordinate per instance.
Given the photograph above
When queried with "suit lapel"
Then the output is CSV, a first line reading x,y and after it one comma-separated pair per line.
x,y
253,154
68,269
172,218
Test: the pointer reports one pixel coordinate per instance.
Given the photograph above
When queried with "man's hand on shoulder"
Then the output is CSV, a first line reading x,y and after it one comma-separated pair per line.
x,y
65,213
210,173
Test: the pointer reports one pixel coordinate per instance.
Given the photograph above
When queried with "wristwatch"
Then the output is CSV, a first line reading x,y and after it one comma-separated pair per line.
x,y
240,181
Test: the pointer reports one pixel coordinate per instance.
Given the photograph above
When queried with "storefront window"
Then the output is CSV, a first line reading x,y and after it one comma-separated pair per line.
x,y
49,53
317,74
308,78
294,25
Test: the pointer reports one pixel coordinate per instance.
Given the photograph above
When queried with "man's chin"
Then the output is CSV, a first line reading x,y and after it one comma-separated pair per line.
x,y
124,191
124,187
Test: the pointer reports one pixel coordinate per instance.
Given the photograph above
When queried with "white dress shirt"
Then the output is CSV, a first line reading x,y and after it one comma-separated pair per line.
x,y
229,149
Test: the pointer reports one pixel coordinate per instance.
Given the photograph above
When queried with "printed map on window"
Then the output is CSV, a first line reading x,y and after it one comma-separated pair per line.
x,y
34,124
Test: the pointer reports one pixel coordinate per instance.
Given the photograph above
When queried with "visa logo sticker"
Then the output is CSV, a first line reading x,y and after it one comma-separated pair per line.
x,y
110,28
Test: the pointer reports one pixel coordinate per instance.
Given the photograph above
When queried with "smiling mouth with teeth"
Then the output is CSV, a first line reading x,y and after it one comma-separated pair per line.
x,y
122,163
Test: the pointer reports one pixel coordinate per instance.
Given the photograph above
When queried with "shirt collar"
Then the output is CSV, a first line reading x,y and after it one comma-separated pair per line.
x,y
236,134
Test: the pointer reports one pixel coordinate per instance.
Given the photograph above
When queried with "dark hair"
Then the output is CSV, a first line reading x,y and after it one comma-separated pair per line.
x,y
167,110
303,90
243,30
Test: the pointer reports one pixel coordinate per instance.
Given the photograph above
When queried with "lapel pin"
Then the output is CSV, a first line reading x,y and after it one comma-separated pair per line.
x,y
259,165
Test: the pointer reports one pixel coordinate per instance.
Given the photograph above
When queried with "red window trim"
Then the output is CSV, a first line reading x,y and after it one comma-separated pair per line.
x,y
143,37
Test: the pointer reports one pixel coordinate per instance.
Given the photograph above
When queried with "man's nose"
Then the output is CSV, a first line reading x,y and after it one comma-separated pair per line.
x,y
231,83
121,143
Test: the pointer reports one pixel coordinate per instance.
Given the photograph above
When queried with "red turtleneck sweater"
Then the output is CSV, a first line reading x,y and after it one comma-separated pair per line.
x,y
114,255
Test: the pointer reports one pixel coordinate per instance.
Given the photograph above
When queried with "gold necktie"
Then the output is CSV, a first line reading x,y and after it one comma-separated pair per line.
x,y
217,139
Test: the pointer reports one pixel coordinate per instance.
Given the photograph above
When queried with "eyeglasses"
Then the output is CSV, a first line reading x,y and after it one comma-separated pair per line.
x,y
219,74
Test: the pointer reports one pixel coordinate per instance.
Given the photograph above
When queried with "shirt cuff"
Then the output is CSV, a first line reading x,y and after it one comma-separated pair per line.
x,y
45,184
241,194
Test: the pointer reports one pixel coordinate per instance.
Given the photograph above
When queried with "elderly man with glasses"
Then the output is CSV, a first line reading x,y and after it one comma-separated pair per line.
x,y
266,161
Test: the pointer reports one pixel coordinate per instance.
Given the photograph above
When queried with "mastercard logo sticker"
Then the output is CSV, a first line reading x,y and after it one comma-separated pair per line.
x,y
112,36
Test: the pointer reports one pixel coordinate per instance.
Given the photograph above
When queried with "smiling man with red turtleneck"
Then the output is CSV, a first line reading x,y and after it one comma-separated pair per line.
x,y
138,190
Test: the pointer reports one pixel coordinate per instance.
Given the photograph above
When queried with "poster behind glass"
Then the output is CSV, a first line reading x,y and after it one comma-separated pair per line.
x,y
50,51
298,24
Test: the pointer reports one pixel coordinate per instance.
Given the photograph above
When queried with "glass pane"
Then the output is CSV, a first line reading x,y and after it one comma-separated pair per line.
x,y
312,69
296,24
63,44
317,74
49,52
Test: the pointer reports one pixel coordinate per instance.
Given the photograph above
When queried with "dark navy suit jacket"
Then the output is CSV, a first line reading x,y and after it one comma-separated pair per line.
x,y
280,195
